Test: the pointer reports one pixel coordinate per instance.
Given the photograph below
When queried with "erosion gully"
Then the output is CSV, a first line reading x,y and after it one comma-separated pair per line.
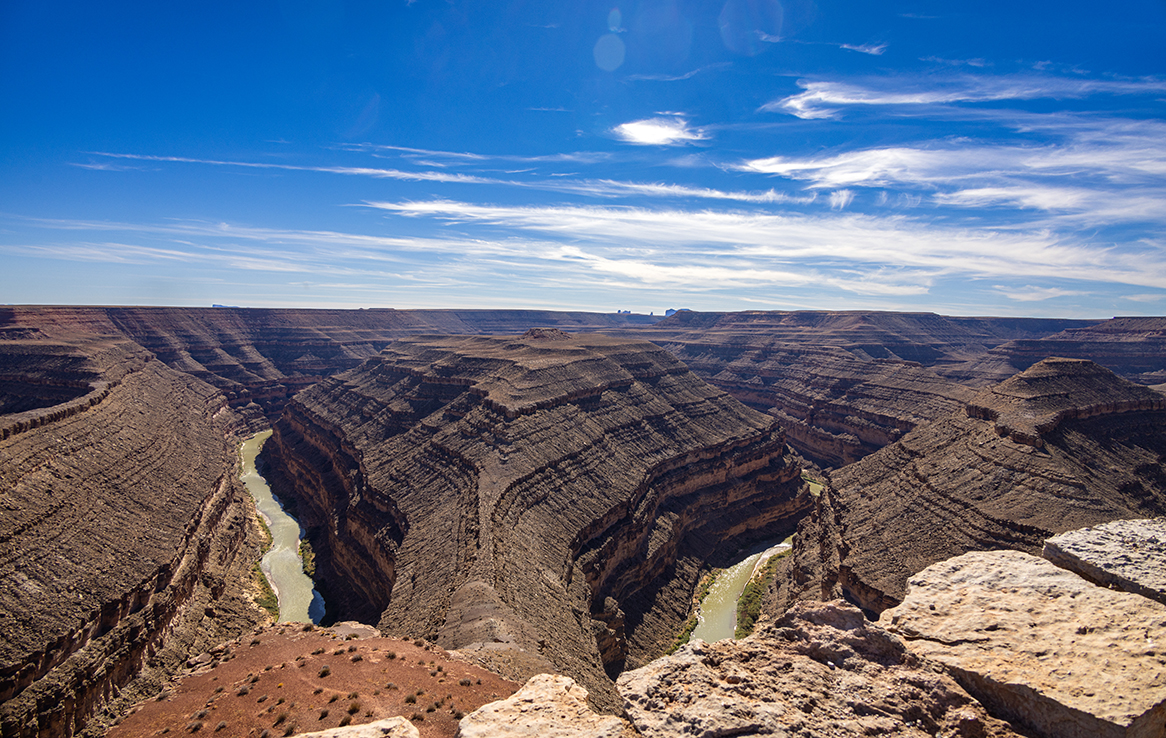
x,y
299,602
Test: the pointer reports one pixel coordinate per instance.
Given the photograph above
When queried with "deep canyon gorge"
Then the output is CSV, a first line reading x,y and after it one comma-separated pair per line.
x,y
537,489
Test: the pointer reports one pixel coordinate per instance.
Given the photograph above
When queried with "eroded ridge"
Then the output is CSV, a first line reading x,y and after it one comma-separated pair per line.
x,y
122,525
960,484
550,495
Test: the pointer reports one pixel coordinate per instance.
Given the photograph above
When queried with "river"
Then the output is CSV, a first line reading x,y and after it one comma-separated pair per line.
x,y
299,602
717,618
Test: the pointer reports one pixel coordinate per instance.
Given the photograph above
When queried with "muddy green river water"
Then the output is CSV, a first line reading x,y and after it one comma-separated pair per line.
x,y
298,601
717,618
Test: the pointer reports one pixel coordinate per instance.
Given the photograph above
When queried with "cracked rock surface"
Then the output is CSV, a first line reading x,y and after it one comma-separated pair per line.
x,y
1040,645
1129,555
822,670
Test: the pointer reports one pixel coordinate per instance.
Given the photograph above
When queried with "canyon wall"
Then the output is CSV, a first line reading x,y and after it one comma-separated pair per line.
x,y
555,495
845,384
1066,444
125,537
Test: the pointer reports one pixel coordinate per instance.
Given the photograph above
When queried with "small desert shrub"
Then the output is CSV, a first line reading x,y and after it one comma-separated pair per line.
x,y
418,643
289,730
390,655
391,685
431,708
194,727
464,682
353,695
324,713
439,668
265,733
345,720
280,701
243,690
200,715
317,690
351,649
354,708
333,698
325,672
222,724
281,718
261,700
457,715
254,641
411,699
308,627
432,672
357,657
417,717
338,652
318,651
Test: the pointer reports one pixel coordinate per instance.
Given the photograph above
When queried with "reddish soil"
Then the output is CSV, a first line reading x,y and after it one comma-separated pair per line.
x,y
282,680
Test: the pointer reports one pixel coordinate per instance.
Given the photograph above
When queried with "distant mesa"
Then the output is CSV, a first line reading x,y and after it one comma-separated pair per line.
x,y
670,312
546,334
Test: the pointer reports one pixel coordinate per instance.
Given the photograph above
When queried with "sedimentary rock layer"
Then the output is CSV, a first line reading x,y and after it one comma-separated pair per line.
x,y
121,519
1040,645
547,705
1064,445
1134,348
821,670
1129,555
557,494
265,356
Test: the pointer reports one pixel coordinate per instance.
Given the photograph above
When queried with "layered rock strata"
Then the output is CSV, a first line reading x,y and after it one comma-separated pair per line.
x,y
1129,555
123,539
1064,445
1040,645
258,357
559,495
1134,348
821,670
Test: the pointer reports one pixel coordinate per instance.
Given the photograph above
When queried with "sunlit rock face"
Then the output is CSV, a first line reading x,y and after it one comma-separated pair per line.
x,y
555,495
1065,444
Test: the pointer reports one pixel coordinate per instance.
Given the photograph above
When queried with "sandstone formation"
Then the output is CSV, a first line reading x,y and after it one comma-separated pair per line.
x,y
547,706
125,537
394,727
1129,555
844,384
558,496
822,670
1063,445
264,356
1040,645
1134,348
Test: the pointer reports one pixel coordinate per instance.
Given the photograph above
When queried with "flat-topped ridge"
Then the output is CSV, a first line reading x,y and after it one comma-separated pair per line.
x,y
1038,399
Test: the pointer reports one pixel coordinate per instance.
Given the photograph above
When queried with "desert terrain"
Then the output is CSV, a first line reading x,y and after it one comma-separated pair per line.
x,y
496,495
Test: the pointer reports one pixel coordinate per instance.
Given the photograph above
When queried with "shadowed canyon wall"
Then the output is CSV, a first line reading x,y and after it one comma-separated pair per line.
x,y
554,494
124,538
1064,445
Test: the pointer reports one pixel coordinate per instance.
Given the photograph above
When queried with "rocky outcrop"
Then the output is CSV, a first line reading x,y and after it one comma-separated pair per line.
x,y
547,705
821,670
1129,555
394,727
1040,645
1064,445
122,539
550,495
1134,348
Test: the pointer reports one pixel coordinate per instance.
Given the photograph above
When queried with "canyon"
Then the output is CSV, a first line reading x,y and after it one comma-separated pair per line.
x,y
539,501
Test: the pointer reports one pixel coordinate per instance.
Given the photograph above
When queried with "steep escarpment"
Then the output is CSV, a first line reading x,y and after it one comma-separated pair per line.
x,y
1063,445
555,495
121,539
844,384
1134,348
264,356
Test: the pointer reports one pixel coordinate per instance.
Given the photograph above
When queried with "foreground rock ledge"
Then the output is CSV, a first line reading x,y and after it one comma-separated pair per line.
x,y
1129,555
822,670
1041,645
548,706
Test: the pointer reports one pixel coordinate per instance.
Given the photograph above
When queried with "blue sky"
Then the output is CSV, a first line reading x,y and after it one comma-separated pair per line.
x,y
967,158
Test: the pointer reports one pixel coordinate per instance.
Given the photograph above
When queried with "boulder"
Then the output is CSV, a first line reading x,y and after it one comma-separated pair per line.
x,y
394,727
548,706
821,670
1040,645
1129,555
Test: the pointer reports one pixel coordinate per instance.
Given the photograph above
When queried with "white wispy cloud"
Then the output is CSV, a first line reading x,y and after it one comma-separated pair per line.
x,y
826,98
861,241
1035,293
658,132
872,49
